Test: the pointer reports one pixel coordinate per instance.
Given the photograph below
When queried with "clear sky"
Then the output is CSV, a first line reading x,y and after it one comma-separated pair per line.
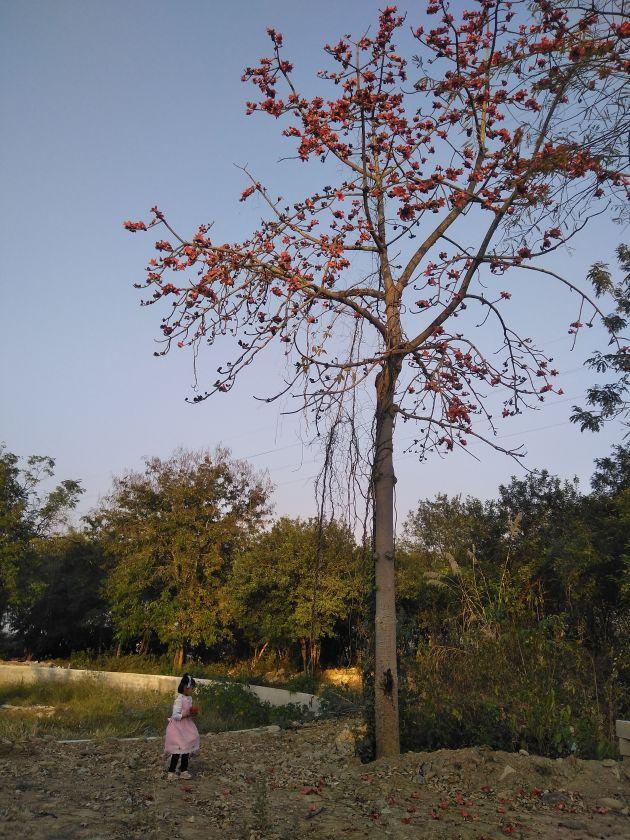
x,y
109,107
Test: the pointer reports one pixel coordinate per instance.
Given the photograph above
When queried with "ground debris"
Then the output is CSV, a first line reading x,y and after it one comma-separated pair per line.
x,y
291,783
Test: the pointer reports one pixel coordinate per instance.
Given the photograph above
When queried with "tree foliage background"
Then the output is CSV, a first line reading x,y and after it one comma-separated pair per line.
x,y
512,619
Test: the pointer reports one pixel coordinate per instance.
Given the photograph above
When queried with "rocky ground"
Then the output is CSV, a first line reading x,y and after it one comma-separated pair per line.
x,y
304,783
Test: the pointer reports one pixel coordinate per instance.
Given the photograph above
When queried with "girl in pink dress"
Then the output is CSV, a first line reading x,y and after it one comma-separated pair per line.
x,y
182,736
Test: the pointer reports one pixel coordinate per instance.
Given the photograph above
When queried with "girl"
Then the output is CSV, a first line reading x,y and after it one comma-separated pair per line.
x,y
182,736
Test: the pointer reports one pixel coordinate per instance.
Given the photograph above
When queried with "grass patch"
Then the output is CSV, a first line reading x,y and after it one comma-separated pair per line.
x,y
87,710
81,710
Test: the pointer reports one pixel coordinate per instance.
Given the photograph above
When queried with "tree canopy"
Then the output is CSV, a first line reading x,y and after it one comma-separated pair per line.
x,y
174,531
29,512
610,400
296,582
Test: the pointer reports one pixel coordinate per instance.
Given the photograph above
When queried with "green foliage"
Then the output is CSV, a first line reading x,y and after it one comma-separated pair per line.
x,y
530,690
293,580
612,474
302,682
513,613
60,605
30,519
87,709
174,532
517,639
336,701
233,706
610,400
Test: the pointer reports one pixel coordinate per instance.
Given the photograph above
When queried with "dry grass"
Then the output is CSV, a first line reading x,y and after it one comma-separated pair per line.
x,y
89,710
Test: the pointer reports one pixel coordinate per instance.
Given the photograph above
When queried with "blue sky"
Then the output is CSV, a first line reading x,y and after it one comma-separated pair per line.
x,y
111,107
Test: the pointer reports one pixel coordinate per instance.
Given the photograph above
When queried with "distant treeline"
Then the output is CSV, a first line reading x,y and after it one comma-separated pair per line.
x,y
513,612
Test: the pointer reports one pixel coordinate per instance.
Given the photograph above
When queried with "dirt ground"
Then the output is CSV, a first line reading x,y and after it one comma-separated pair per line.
x,y
303,783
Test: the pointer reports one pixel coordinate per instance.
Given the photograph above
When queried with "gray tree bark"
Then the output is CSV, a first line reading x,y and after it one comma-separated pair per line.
x,y
386,718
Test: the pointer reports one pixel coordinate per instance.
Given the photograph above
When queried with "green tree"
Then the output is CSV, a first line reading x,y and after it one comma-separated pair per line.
x,y
442,530
174,531
60,607
610,400
440,537
295,584
14,534
605,594
28,512
612,473
518,606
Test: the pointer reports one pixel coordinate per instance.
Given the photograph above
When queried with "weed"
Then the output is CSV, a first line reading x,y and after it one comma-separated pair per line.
x,y
260,812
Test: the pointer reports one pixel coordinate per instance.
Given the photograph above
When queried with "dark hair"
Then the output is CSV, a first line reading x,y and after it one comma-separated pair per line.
x,y
186,682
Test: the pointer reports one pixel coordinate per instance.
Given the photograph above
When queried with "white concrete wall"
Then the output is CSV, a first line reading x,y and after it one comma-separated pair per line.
x,y
153,682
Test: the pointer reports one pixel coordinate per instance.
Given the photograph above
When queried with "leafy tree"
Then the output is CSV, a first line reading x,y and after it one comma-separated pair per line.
x,y
552,543
60,607
28,513
295,584
517,603
605,595
567,550
443,529
610,401
14,534
489,161
174,531
612,474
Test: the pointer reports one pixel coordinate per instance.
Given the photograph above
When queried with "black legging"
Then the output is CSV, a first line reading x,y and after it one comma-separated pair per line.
x,y
184,763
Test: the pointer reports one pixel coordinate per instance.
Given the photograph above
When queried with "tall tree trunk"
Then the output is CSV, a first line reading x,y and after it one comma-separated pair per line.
x,y
303,654
386,721
143,647
258,654
178,659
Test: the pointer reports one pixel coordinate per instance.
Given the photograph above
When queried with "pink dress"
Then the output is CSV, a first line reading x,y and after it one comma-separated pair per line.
x,y
182,736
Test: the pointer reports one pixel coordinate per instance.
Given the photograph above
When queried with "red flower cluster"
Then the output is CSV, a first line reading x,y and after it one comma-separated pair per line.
x,y
134,226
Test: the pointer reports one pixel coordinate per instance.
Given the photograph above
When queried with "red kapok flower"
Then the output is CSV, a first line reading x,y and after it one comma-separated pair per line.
x,y
134,226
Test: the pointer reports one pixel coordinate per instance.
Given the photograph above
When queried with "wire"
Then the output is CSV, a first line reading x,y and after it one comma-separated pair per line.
x,y
537,429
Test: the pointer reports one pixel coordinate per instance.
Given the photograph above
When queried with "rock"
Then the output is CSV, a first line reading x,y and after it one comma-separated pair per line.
x,y
523,752
424,772
611,803
553,797
507,771
609,762
345,742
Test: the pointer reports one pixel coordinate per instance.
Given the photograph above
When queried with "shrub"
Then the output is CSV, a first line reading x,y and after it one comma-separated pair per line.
x,y
232,706
529,689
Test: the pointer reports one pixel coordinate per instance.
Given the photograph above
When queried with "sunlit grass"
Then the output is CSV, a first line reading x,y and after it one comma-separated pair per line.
x,y
89,710
81,710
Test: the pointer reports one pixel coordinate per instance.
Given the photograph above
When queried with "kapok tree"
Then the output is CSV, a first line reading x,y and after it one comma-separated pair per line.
x,y
454,184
